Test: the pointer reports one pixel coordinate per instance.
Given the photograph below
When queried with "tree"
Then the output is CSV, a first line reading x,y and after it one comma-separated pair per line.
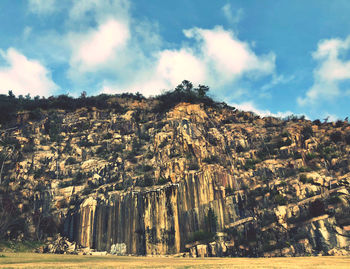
x,y
202,90
83,94
11,95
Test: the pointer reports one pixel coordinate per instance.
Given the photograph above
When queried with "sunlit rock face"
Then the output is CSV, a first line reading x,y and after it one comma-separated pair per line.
x,y
205,179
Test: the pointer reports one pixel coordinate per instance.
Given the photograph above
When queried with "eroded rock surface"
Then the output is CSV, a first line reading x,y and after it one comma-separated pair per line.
x,y
212,181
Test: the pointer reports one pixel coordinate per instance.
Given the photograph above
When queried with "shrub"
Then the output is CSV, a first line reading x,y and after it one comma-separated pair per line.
x,y
212,159
280,199
70,160
305,169
334,199
193,165
79,178
163,181
146,181
317,208
336,137
183,93
250,163
229,191
144,168
201,236
310,156
130,156
281,143
317,122
297,155
339,123
163,143
212,140
107,136
267,218
347,139
307,132
239,148
304,179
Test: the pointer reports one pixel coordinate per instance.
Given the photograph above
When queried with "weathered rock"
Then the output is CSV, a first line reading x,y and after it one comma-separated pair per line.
x,y
118,249
132,181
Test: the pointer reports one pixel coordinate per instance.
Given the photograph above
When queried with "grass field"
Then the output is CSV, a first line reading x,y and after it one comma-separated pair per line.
x,y
32,260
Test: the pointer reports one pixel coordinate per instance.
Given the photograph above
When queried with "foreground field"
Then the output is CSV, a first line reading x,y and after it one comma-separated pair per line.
x,y
31,260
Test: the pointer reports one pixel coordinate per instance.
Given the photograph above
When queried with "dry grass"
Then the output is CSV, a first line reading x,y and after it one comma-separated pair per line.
x,y
32,260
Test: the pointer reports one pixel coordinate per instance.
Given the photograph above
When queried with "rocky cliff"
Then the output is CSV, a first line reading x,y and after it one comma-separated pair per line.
x,y
206,179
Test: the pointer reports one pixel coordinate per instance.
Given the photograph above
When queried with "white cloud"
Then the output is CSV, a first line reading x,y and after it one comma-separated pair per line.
x,y
332,69
23,76
170,68
99,46
105,41
277,80
229,57
330,117
250,106
216,58
232,17
99,10
43,7
175,66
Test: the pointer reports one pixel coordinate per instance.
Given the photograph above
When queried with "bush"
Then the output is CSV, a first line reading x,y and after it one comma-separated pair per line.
x,y
240,149
107,136
130,156
201,236
307,132
146,181
317,208
144,168
310,156
229,191
250,164
184,93
336,137
347,139
70,160
334,199
279,199
193,165
163,181
211,160
297,155
304,179
267,218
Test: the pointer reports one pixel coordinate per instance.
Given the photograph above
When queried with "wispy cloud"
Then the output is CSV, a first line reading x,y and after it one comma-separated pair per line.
x,y
232,16
23,75
216,57
332,70
106,48
42,7
98,46
250,106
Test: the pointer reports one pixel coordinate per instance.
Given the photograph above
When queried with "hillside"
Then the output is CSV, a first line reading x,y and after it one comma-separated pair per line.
x,y
173,174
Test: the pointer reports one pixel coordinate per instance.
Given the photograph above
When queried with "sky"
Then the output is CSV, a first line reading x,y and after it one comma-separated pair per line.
x,y
270,57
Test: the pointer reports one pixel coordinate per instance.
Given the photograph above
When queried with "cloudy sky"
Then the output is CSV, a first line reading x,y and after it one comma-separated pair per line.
x,y
271,57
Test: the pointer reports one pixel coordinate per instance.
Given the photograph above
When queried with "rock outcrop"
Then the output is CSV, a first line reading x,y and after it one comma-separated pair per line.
x,y
209,180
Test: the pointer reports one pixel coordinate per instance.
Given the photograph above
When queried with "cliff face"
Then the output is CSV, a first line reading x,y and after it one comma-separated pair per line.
x,y
208,180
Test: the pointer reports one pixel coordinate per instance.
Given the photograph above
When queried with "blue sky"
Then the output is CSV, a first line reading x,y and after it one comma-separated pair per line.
x,y
270,57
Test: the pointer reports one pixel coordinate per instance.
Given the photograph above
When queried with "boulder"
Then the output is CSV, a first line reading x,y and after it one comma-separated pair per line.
x,y
118,249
